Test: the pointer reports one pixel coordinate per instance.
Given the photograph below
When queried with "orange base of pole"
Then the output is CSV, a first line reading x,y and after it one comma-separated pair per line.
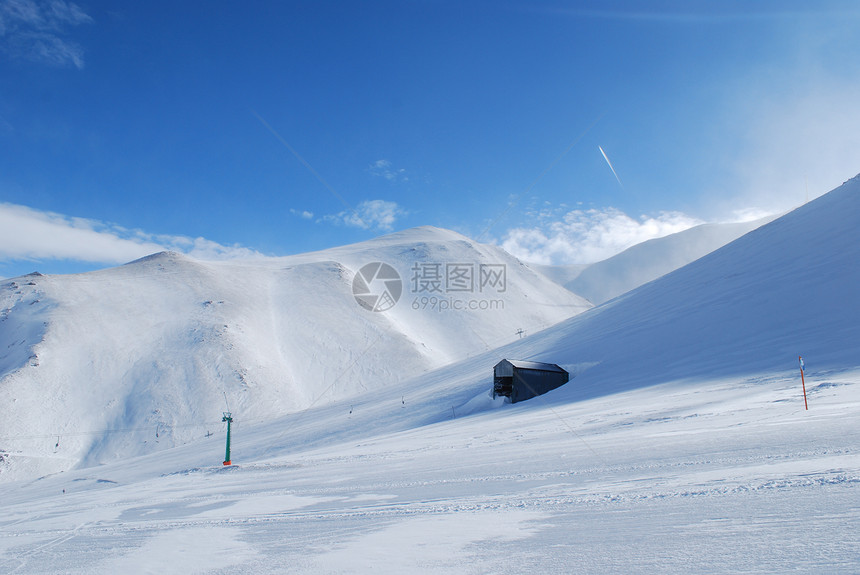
x,y
228,463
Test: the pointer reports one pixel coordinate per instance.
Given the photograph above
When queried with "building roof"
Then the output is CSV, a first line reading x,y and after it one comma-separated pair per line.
x,y
521,364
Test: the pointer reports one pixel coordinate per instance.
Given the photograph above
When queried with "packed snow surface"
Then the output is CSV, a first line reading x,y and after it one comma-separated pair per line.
x,y
681,445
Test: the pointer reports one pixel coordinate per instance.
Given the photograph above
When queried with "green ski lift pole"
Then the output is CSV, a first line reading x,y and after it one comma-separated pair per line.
x,y
229,419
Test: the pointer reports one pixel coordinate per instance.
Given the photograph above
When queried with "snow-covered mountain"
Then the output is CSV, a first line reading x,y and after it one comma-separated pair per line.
x,y
601,281
161,341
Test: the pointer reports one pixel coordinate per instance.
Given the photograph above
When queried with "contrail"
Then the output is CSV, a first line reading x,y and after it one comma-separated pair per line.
x,y
605,157
534,183
308,166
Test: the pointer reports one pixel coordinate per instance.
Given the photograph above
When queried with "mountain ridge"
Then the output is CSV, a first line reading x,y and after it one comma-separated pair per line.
x,y
158,342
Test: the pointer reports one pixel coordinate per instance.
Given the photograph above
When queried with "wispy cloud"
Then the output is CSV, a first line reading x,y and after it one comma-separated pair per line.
x,y
204,249
384,169
29,234
714,13
36,30
369,214
799,145
587,236
304,214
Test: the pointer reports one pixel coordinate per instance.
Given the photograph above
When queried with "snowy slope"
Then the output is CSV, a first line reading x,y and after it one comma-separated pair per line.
x,y
786,289
681,446
158,343
601,281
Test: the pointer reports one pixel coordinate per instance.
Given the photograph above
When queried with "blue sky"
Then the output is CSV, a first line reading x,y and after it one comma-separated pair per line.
x,y
223,129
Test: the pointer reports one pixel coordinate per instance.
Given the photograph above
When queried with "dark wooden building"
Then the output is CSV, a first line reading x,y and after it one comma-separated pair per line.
x,y
521,380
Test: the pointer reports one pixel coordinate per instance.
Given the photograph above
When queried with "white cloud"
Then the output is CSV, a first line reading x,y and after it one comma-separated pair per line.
x,y
587,236
304,214
750,214
28,234
384,169
203,249
378,214
35,30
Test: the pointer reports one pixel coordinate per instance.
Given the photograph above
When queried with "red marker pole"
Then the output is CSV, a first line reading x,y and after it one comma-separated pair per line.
x,y
803,382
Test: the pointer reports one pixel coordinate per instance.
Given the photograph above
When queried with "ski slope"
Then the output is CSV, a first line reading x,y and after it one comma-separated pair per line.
x,y
155,347
681,446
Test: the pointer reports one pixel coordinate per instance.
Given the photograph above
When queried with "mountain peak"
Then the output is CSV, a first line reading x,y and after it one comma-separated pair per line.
x,y
421,234
167,256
